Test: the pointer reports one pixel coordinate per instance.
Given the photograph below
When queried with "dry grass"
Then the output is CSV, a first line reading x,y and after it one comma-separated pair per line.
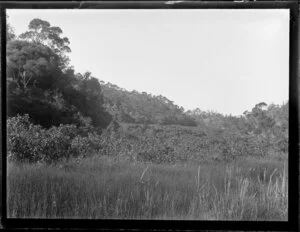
x,y
99,187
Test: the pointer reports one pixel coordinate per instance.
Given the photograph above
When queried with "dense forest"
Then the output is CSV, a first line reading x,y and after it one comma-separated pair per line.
x,y
78,147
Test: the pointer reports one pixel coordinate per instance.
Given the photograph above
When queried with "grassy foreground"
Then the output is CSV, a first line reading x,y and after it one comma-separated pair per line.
x,y
99,187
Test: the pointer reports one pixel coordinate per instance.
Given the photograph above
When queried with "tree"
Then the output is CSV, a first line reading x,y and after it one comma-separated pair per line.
x,y
261,120
41,32
86,95
10,34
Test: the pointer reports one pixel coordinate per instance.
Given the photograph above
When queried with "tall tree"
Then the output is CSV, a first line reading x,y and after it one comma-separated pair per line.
x,y
91,100
10,33
41,32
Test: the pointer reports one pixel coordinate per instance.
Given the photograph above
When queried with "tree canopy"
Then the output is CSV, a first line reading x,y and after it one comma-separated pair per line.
x,y
41,32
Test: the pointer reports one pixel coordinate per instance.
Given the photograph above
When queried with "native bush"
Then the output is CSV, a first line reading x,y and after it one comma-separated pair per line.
x,y
84,145
154,151
24,139
32,143
151,143
79,145
56,144
167,144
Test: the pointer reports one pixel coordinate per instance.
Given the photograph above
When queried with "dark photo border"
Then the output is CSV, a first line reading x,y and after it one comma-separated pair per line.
x,y
293,160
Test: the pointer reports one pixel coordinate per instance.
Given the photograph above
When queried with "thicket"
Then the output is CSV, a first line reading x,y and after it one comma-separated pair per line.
x,y
155,143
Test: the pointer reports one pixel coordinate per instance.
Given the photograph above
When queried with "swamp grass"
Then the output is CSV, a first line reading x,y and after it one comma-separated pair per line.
x,y
100,187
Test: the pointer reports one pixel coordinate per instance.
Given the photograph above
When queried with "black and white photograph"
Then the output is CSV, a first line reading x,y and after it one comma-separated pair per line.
x,y
148,114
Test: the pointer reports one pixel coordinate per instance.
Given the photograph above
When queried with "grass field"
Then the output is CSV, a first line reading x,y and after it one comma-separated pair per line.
x,y
100,187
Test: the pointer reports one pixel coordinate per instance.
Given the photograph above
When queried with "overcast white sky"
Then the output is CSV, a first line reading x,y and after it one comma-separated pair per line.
x,y
221,60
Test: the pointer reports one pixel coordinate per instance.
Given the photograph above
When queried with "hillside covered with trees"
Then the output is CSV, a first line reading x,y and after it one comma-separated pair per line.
x,y
43,85
136,107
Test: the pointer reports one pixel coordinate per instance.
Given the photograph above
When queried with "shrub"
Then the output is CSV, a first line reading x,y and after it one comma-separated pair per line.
x,y
153,143
24,139
79,145
56,144
84,145
32,143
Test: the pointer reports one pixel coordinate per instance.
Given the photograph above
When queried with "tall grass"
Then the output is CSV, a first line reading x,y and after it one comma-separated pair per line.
x,y
99,187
